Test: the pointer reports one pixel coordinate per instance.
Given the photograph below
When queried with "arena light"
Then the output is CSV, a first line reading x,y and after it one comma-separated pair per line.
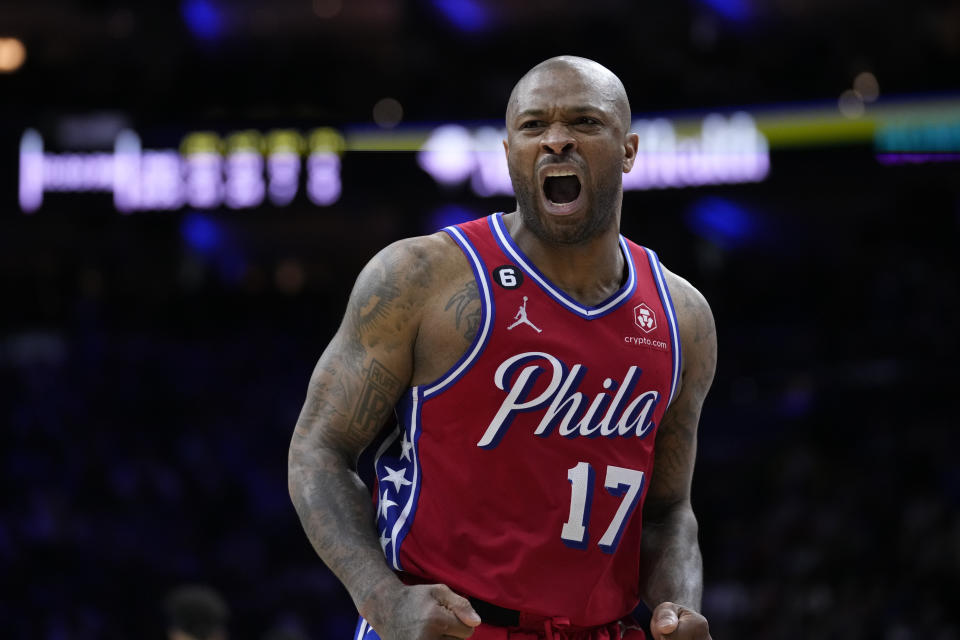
x,y
725,150
13,54
203,18
866,85
918,142
283,148
323,166
470,16
916,157
128,178
244,187
387,113
207,171
447,215
850,104
736,10
31,171
447,154
201,232
724,222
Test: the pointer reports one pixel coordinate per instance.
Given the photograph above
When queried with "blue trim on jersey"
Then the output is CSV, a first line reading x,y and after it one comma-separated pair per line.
x,y
412,430
509,247
462,365
386,444
364,631
667,302
397,466
386,518
383,490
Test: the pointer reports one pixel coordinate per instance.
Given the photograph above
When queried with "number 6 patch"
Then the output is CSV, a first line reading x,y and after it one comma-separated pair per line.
x,y
508,276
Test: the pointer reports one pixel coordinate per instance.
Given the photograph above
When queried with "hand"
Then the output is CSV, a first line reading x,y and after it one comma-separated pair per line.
x,y
674,622
427,612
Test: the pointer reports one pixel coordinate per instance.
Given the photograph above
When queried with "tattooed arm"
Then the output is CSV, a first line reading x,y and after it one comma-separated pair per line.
x,y
671,574
352,392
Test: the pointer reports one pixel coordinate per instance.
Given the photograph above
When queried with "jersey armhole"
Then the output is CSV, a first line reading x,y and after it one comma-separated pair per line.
x,y
479,269
667,302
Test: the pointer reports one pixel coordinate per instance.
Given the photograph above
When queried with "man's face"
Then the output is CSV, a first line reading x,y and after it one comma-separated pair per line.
x,y
567,150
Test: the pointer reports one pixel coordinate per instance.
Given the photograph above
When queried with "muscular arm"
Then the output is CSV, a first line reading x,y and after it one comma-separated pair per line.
x,y
671,568
352,392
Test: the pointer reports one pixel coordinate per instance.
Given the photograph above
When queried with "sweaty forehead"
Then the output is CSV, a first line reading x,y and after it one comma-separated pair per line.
x,y
570,87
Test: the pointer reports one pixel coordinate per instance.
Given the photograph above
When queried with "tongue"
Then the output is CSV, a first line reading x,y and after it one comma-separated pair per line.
x,y
561,189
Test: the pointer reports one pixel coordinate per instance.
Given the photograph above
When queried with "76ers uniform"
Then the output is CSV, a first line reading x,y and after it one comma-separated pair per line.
x,y
519,476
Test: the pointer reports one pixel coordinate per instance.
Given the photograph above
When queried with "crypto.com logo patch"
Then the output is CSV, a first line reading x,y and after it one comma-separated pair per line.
x,y
644,317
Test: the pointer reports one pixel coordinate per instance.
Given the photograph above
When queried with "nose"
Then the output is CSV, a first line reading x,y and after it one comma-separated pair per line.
x,y
557,139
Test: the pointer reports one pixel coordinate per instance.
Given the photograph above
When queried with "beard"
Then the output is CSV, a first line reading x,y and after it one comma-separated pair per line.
x,y
601,214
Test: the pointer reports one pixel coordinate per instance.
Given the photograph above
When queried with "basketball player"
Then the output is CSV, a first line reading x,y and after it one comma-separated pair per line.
x,y
537,484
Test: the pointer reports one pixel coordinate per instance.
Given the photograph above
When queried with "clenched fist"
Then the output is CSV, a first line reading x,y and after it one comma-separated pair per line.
x,y
674,622
426,612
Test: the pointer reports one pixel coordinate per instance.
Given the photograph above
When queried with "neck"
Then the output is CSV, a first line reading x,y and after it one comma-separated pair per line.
x,y
589,272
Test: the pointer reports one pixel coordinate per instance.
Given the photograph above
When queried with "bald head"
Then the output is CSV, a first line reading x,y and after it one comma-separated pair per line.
x,y
593,74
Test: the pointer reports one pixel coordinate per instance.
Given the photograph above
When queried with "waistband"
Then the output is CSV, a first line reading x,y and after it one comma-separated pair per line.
x,y
492,614
553,627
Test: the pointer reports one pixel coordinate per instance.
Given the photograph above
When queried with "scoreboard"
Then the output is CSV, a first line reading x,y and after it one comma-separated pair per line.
x,y
250,168
253,167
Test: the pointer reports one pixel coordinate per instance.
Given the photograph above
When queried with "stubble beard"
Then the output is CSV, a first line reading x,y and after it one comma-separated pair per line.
x,y
601,214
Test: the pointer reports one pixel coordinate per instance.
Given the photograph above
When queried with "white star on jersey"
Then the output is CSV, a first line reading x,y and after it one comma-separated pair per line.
x,y
384,503
397,477
406,445
384,540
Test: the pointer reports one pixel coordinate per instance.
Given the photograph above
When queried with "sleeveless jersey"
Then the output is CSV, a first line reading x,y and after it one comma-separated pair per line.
x,y
519,476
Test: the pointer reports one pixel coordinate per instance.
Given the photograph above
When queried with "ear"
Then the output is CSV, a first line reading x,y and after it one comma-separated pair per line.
x,y
630,145
506,148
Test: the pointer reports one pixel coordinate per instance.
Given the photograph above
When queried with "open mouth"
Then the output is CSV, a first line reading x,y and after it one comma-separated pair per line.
x,y
561,189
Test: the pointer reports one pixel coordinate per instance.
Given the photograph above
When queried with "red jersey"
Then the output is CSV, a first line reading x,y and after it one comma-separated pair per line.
x,y
519,476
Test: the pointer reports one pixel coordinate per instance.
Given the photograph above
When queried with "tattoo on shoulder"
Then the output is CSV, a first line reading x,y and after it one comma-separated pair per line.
x,y
374,300
380,388
467,315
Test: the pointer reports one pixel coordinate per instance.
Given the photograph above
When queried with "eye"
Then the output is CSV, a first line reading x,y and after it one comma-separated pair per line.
x,y
587,120
532,124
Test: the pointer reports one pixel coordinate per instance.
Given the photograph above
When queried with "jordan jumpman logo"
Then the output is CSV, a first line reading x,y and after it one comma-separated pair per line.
x,y
521,317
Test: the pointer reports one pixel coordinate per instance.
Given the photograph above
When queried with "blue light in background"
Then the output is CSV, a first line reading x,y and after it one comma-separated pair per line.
x,y
201,232
797,400
203,18
449,214
724,222
217,246
736,10
466,15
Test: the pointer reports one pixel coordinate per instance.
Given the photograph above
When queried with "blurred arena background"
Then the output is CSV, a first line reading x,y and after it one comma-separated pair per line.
x,y
188,189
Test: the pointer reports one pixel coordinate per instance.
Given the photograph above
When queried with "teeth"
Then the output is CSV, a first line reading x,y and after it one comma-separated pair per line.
x,y
552,172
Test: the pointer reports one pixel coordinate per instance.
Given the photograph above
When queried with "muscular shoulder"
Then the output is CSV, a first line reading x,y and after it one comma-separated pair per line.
x,y
417,296
401,280
698,333
416,262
